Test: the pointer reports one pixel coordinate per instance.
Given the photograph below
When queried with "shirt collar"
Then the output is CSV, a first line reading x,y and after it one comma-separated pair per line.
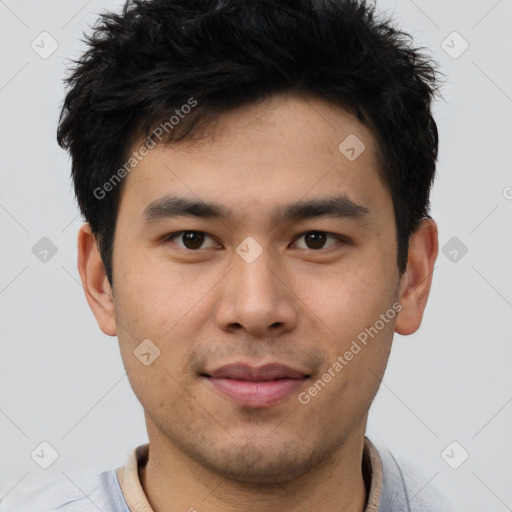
x,y
137,501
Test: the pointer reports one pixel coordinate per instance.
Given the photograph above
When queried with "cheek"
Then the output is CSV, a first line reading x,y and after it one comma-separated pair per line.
x,y
347,299
157,295
165,306
160,389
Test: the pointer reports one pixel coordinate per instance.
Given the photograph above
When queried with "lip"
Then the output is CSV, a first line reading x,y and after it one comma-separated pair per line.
x,y
256,387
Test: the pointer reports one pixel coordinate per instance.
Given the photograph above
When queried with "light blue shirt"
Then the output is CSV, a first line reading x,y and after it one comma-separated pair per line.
x,y
396,486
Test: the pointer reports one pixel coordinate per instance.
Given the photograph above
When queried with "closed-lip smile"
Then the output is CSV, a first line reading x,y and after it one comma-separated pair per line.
x,y
256,386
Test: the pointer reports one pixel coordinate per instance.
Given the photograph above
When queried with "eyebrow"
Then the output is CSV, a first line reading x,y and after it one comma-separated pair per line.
x,y
171,206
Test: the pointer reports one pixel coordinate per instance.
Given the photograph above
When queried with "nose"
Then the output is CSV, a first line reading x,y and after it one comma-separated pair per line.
x,y
257,298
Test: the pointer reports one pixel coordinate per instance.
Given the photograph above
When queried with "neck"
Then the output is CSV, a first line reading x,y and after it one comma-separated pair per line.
x,y
173,482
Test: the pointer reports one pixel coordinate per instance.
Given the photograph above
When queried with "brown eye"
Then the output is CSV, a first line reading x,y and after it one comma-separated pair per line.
x,y
191,240
315,240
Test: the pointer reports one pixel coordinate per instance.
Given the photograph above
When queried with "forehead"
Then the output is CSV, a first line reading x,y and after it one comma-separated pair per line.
x,y
281,149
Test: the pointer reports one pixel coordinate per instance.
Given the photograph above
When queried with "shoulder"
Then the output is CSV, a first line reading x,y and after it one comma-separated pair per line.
x,y
406,488
87,494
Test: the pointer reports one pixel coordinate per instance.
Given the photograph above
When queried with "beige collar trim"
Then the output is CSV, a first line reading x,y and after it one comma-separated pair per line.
x,y
129,480
373,461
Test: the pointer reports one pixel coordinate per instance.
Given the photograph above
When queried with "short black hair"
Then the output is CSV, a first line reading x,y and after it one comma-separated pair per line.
x,y
143,65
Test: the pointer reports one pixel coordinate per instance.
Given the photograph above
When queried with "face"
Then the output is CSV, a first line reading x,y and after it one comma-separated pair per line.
x,y
241,285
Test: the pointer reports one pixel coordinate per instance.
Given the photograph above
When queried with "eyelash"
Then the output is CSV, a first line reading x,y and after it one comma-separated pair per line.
x,y
341,239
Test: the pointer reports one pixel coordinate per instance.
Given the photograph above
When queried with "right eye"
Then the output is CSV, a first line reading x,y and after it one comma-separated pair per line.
x,y
191,240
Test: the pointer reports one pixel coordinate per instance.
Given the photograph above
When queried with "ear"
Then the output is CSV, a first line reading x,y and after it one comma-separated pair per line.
x,y
94,280
416,281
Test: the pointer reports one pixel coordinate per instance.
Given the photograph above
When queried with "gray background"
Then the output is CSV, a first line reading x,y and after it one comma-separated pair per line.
x,y
62,380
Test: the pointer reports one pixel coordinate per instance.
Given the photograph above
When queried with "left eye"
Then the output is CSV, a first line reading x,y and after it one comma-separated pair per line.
x,y
316,239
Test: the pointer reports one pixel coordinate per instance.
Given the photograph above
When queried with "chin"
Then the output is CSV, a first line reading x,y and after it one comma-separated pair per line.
x,y
252,464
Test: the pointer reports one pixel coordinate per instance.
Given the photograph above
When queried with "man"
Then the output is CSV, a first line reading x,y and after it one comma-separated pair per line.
x,y
255,181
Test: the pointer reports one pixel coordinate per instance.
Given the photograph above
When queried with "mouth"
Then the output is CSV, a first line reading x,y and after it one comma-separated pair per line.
x,y
256,387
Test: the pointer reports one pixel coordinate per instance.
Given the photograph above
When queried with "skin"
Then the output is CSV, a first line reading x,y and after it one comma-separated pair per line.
x,y
294,304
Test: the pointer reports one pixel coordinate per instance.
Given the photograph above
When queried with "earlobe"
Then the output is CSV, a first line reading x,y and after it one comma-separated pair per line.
x,y
94,280
416,281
